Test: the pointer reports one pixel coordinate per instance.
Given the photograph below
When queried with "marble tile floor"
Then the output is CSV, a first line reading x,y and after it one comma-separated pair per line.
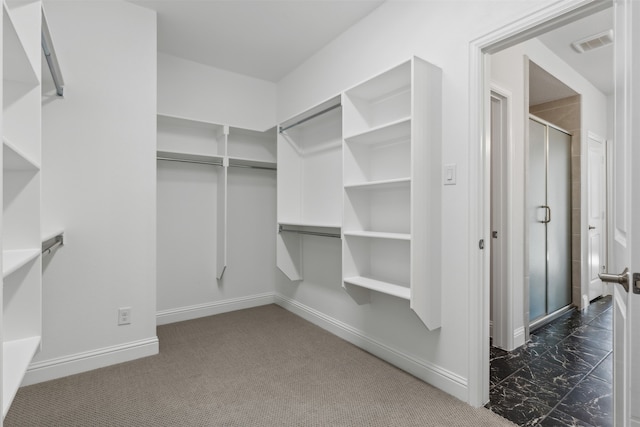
x,y
562,377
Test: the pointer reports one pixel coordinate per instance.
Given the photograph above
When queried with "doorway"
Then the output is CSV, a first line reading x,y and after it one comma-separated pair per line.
x,y
577,265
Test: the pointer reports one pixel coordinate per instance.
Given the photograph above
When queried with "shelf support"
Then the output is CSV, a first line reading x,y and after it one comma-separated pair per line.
x,y
51,57
51,244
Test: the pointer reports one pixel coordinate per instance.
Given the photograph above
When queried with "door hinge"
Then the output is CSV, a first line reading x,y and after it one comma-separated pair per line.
x,y
494,234
481,244
636,283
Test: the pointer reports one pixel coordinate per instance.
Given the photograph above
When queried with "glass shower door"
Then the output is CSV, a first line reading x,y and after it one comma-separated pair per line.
x,y
537,199
559,228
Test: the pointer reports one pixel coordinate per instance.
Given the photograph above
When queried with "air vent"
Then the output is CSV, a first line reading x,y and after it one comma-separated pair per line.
x,y
593,42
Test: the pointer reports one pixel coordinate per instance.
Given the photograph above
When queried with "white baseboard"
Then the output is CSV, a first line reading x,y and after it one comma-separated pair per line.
x,y
209,309
435,375
87,361
518,337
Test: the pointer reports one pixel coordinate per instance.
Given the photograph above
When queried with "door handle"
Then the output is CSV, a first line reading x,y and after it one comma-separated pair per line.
x,y
547,214
622,278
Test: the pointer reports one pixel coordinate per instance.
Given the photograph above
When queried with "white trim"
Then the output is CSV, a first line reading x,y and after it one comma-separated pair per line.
x,y
547,18
89,360
435,375
212,308
518,337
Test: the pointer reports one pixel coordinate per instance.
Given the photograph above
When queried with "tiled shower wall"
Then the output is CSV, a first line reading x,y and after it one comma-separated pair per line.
x,y
565,113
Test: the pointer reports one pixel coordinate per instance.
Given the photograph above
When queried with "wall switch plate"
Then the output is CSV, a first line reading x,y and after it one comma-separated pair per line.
x,y
449,174
124,316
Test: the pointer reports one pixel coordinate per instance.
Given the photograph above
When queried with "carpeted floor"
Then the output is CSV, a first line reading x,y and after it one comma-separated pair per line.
x,y
258,367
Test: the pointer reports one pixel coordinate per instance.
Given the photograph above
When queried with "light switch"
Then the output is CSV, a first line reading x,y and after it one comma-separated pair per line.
x,y
450,174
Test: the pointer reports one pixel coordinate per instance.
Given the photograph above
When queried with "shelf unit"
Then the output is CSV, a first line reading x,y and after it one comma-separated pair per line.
x,y
391,192
21,215
188,140
309,181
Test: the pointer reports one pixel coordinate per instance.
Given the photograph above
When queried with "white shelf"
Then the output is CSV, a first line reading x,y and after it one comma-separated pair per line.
x,y
398,129
187,121
308,224
378,235
15,259
15,159
189,157
380,286
16,358
381,184
251,163
17,67
50,234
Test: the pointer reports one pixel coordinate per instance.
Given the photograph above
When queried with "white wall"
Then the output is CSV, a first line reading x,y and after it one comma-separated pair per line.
x,y
440,32
187,199
98,183
197,91
507,71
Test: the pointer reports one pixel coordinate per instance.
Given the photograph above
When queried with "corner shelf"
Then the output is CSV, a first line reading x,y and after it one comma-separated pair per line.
x,y
380,286
381,184
16,356
19,68
13,260
378,235
15,159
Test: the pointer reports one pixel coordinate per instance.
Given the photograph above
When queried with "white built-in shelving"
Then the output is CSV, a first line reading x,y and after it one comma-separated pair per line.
x,y
21,245
187,140
391,193
309,181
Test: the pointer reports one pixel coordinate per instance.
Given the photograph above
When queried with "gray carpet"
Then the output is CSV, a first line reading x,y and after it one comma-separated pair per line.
x,y
258,367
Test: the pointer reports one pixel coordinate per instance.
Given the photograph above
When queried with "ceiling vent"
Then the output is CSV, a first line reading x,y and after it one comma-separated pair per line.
x,y
593,42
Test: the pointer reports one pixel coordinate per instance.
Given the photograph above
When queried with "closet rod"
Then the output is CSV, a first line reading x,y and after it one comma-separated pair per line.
x,y
310,233
168,159
313,116
52,62
254,167
56,241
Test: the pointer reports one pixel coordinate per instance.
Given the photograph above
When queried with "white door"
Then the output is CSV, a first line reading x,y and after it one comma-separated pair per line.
x,y
596,202
625,214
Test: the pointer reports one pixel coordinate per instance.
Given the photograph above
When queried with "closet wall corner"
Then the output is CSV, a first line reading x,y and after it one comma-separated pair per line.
x,y
202,169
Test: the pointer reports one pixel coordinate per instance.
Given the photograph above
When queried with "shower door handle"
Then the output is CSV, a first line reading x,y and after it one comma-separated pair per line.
x,y
547,214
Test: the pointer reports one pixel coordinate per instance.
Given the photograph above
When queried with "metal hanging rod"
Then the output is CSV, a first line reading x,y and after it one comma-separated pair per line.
x,y
200,162
310,233
254,167
50,56
313,116
55,242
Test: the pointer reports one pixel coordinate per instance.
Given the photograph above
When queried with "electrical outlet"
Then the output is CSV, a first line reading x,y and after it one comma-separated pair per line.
x,y
124,316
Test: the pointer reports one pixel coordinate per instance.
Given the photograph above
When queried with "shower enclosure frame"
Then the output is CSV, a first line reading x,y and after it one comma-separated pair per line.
x,y
533,321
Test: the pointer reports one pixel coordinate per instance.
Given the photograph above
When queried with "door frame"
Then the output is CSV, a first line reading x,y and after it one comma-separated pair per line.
x,y
532,25
502,298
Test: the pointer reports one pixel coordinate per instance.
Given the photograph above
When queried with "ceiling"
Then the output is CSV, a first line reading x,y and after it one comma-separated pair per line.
x,y
265,39
595,65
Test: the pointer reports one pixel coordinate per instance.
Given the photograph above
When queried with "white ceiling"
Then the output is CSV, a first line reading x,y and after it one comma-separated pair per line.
x,y
260,38
595,65
267,39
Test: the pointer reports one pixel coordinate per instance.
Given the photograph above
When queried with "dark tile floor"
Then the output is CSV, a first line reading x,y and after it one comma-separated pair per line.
x,y
562,377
